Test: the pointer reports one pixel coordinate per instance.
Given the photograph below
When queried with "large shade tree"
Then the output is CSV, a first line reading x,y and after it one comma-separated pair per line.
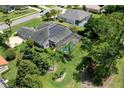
x,y
25,67
32,81
107,37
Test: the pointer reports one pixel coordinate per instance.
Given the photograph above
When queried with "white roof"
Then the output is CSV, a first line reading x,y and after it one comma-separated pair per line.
x,y
14,41
96,7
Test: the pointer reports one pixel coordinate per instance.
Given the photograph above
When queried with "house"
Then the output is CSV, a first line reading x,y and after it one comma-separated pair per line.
x,y
3,84
74,16
11,8
6,8
93,8
3,65
48,35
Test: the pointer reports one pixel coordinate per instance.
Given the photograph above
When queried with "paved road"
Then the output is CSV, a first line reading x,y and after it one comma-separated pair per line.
x,y
24,19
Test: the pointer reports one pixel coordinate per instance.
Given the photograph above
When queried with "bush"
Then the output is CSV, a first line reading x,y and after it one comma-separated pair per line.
x,y
75,28
10,54
37,49
30,43
58,75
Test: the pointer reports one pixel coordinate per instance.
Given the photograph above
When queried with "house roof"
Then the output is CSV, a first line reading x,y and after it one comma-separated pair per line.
x,y
41,35
3,61
74,14
25,32
96,7
3,84
14,41
45,32
57,32
37,35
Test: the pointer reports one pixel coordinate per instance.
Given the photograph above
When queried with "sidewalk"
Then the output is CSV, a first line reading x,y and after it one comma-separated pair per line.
x,y
19,17
37,9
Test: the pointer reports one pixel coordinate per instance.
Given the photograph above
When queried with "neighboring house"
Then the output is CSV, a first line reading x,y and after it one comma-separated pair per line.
x,y
49,35
3,65
3,84
93,8
11,8
74,16
6,8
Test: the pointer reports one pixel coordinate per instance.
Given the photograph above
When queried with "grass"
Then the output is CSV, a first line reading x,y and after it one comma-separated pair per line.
x,y
96,15
17,13
47,79
2,49
31,23
70,69
11,74
118,79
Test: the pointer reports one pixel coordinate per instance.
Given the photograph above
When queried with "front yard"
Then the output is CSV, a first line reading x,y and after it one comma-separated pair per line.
x,y
31,23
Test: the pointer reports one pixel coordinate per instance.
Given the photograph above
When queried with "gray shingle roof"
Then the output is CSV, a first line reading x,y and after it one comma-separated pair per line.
x,y
3,84
25,32
41,36
58,33
74,14
48,31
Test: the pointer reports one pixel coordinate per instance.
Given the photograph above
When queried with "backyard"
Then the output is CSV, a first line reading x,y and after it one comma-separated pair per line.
x,y
118,79
70,68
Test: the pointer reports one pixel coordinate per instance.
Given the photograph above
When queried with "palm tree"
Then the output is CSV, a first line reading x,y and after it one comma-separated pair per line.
x,y
8,21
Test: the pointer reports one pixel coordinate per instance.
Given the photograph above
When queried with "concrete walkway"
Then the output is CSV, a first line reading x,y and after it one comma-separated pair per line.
x,y
37,9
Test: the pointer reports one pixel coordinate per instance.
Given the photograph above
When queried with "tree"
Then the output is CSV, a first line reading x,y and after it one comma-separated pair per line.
x,y
25,67
41,63
8,22
30,43
47,16
54,12
28,53
114,8
69,6
10,54
32,81
106,48
4,36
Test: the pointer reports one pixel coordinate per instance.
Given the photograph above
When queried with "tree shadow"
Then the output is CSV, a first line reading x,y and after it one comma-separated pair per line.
x,y
81,76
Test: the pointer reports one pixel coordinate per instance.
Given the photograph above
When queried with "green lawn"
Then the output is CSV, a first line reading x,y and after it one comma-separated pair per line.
x,y
96,15
17,13
31,23
70,69
118,79
47,79
2,50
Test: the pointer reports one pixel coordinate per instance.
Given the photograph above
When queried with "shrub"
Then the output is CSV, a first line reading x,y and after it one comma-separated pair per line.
x,y
37,49
30,43
10,54
58,75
